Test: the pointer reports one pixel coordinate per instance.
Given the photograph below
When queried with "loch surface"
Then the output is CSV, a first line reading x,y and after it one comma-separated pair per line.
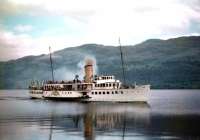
x,y
169,114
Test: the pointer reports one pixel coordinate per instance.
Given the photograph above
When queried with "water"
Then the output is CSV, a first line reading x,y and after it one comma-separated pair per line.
x,y
169,114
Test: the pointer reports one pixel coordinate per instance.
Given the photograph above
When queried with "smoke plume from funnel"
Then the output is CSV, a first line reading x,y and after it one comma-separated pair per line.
x,y
89,61
68,73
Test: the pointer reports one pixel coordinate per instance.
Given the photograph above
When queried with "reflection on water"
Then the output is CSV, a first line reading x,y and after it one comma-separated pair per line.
x,y
107,117
100,118
164,117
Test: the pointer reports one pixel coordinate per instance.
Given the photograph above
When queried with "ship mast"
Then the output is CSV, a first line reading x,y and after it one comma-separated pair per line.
x,y
52,74
124,78
122,62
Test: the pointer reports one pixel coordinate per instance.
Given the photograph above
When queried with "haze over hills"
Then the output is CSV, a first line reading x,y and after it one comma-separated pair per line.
x,y
172,63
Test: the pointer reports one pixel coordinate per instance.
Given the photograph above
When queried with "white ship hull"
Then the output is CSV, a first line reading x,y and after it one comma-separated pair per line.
x,y
62,95
138,94
36,94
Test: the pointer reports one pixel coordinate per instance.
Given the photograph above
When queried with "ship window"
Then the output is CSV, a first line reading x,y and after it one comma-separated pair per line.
x,y
92,92
99,92
106,85
95,92
107,92
121,92
116,92
103,92
110,85
113,84
112,92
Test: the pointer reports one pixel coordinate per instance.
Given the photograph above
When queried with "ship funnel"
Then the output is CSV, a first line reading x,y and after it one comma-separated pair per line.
x,y
88,71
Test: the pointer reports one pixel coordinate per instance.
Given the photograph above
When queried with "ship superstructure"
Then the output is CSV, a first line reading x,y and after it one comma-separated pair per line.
x,y
92,88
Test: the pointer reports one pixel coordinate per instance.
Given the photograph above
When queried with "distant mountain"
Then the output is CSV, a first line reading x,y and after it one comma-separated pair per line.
x,y
172,63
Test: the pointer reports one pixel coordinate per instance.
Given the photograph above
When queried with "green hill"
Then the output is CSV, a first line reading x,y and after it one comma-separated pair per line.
x,y
173,63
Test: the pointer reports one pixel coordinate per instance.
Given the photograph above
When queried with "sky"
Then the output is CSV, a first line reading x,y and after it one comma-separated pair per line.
x,y
29,27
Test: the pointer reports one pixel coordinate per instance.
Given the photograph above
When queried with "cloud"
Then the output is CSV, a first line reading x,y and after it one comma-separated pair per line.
x,y
158,14
18,45
94,21
23,28
13,46
75,8
68,74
